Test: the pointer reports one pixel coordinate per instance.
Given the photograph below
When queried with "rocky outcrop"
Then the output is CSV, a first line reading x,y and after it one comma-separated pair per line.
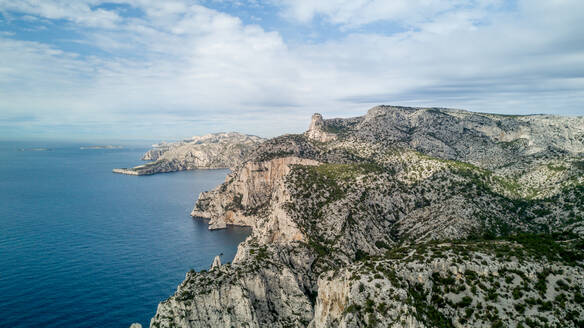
x,y
216,262
157,151
318,130
411,217
212,151
227,297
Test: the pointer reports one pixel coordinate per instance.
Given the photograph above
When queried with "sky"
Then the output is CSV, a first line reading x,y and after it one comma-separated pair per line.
x,y
150,69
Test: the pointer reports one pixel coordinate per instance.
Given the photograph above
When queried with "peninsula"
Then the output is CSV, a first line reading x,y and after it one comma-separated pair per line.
x,y
211,151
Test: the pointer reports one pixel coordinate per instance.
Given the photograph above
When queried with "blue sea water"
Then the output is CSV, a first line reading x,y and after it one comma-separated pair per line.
x,y
83,247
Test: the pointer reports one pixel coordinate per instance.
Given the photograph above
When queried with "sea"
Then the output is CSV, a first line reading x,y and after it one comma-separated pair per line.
x,y
81,246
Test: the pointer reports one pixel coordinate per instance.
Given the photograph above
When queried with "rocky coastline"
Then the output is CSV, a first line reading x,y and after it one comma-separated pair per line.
x,y
403,217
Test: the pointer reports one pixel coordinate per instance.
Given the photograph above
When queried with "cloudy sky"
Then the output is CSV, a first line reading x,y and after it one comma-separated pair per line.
x,y
91,69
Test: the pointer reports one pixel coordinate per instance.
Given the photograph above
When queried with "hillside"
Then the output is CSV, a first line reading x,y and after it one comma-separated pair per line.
x,y
418,217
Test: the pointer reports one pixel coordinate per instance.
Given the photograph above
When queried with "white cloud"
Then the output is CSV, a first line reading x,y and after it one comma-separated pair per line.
x,y
79,12
192,67
353,13
204,63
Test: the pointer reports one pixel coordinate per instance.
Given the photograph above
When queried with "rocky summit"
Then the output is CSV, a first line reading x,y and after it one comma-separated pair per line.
x,y
403,217
211,151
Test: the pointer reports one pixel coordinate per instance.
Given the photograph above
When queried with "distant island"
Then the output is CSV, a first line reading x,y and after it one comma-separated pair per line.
x,y
35,149
101,147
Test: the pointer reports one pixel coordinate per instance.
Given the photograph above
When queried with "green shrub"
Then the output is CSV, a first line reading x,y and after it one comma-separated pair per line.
x,y
466,301
381,244
517,293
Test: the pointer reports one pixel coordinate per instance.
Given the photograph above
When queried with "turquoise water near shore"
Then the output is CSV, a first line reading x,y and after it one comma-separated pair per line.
x,y
83,247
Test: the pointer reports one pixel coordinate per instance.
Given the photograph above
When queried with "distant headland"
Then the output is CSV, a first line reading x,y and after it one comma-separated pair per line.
x,y
101,147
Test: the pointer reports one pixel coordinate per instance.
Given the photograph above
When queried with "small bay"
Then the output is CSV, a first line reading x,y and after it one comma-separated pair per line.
x,y
83,247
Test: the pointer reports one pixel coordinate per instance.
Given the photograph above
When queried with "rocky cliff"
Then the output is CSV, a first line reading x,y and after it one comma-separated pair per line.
x,y
211,151
246,196
404,217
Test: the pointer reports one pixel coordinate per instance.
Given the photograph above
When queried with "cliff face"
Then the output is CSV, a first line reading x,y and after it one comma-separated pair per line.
x,y
227,297
349,222
246,195
212,151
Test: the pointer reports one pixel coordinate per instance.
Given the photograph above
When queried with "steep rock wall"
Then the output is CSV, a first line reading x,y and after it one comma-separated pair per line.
x,y
245,196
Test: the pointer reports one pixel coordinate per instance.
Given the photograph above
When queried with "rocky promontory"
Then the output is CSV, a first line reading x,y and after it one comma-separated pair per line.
x,y
403,217
211,151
